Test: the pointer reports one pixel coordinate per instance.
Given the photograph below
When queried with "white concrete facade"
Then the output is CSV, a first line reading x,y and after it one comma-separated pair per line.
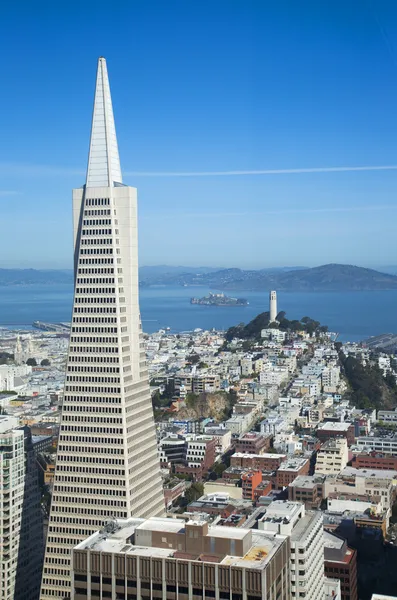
x,y
107,461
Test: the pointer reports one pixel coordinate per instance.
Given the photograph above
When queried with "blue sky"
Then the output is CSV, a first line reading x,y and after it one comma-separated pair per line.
x,y
205,87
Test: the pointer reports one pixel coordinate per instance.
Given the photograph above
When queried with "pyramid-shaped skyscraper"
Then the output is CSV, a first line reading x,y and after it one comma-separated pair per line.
x,y
107,462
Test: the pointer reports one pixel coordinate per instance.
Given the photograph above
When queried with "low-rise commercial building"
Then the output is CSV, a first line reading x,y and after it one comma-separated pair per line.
x,y
330,429
253,443
172,558
290,469
261,462
308,489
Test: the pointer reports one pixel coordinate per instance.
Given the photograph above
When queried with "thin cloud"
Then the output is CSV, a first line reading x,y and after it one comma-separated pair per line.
x,y
33,170
258,172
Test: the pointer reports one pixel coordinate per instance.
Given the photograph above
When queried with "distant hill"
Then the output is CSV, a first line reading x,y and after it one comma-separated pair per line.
x,y
332,277
326,278
35,276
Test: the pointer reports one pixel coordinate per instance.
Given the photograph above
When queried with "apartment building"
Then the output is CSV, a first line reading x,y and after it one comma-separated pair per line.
x,y
332,457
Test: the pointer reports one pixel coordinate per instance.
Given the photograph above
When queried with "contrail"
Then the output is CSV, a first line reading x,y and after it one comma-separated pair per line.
x,y
258,172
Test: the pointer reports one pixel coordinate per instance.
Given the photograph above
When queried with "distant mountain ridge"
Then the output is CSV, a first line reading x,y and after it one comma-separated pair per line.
x,y
325,278
332,277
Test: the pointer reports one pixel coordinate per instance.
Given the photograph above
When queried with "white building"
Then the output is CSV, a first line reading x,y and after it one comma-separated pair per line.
x,y
107,461
330,379
305,530
275,376
272,306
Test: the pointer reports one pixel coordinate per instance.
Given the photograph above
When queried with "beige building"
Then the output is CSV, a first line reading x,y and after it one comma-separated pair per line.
x,y
332,457
174,559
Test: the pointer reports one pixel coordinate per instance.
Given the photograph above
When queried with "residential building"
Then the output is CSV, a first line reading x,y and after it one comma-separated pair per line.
x,y
107,461
340,562
332,457
172,558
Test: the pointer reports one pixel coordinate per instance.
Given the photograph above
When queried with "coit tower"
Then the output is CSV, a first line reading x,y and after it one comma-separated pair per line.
x,y
273,306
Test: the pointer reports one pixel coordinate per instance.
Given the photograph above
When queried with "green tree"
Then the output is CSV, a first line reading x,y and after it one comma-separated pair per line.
x,y
31,362
45,362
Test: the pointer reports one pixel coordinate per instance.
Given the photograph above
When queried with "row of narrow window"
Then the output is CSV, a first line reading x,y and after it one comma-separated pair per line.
x,y
93,309
94,349
86,251
88,459
96,232
97,222
93,340
81,369
92,389
106,320
96,271
95,300
94,359
93,379
92,280
97,201
91,290
94,329
97,212
109,491
95,261
95,241
90,449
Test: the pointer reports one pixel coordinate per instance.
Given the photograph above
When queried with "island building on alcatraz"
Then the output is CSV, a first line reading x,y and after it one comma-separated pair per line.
x,y
107,462
273,306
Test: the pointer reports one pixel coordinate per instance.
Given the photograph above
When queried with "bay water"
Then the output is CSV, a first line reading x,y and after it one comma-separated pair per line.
x,y
354,315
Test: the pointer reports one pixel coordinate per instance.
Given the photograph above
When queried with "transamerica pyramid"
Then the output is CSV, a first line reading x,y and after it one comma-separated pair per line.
x,y
107,462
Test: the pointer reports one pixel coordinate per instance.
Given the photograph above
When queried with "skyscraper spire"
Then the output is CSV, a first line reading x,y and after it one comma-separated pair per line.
x,y
103,161
107,461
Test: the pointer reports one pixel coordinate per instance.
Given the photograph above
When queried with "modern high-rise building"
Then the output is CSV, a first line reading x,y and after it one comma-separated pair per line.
x,y
21,527
273,306
107,462
174,559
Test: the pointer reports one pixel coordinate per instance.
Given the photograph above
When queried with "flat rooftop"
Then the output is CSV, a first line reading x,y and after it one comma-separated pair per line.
x,y
263,544
333,426
264,455
293,464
